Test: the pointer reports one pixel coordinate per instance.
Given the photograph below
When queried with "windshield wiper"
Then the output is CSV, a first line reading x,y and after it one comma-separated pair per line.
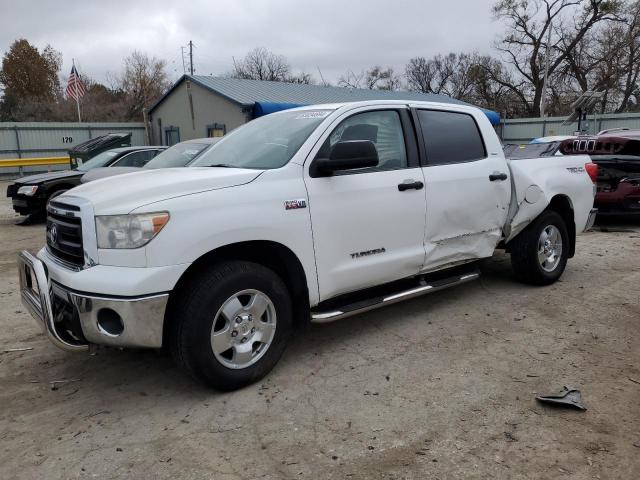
x,y
222,165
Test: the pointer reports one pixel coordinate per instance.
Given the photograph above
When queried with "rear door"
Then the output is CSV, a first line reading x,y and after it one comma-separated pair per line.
x,y
368,224
467,187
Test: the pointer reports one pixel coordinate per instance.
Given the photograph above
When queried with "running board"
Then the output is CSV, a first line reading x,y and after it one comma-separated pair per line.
x,y
372,304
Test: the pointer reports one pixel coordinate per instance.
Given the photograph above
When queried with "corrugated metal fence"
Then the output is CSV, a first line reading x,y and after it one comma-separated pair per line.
x,y
54,139
522,130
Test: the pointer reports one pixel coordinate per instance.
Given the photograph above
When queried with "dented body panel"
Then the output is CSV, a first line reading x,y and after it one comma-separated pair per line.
x,y
537,181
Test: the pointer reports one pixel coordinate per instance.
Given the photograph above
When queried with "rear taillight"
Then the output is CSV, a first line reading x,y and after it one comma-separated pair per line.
x,y
592,170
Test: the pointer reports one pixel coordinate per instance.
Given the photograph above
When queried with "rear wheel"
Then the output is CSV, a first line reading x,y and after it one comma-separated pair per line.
x,y
231,324
539,254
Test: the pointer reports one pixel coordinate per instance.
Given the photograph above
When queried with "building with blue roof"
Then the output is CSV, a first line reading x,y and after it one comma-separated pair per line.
x,y
199,106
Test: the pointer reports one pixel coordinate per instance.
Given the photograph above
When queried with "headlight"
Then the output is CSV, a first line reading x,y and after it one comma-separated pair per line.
x,y
28,190
129,231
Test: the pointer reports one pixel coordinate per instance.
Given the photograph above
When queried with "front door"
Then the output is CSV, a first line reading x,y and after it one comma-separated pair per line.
x,y
368,228
467,187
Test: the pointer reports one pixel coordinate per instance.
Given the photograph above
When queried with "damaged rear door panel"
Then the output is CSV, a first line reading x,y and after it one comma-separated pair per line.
x,y
467,186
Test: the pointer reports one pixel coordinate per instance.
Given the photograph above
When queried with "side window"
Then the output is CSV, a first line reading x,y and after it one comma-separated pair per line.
x,y
135,159
383,128
450,137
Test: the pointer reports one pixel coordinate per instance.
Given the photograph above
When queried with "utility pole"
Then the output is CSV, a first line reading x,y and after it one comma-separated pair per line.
x,y
546,73
191,57
184,67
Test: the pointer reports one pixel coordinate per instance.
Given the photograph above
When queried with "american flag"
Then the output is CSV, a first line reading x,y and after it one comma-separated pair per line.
x,y
75,87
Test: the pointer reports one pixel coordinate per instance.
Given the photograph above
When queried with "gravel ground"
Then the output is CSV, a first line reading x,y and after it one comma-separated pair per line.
x,y
439,387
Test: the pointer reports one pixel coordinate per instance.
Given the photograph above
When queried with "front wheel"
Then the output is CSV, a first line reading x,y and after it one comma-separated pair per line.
x,y
539,253
232,323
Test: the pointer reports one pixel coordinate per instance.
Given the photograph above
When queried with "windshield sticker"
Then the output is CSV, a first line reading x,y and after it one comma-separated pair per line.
x,y
314,114
190,152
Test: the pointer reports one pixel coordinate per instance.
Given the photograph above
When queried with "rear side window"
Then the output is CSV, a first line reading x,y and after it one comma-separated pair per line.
x,y
450,137
135,159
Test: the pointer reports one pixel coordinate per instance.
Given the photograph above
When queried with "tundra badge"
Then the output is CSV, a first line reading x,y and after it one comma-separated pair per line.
x,y
368,252
294,204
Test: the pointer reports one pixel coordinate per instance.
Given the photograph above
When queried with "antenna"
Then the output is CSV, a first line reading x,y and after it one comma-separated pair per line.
x,y
321,77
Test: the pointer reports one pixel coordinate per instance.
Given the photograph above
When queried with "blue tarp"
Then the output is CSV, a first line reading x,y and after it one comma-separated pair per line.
x,y
265,108
494,117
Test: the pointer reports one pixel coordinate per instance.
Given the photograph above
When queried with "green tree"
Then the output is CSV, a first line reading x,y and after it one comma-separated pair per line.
x,y
28,77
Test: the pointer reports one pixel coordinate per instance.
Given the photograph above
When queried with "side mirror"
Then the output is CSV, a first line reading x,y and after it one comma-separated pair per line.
x,y
348,155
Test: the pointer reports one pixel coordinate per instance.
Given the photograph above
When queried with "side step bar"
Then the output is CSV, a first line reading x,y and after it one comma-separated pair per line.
x,y
372,304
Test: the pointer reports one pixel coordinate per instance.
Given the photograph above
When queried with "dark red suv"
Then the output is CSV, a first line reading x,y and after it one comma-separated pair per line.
x,y
617,154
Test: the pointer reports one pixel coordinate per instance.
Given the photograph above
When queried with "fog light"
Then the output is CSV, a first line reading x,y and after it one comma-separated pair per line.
x,y
110,322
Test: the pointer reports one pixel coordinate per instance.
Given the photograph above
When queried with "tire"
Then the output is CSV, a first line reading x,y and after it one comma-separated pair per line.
x,y
532,261
221,307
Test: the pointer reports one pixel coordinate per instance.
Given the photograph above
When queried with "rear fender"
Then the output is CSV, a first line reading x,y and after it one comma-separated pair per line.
x,y
539,182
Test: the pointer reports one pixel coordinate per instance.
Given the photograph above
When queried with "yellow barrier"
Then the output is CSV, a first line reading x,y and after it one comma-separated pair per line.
x,y
29,162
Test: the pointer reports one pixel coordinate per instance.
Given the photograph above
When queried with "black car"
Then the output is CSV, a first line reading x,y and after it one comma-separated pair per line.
x,y
30,194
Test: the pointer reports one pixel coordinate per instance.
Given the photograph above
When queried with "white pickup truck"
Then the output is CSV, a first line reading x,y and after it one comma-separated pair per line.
x,y
311,214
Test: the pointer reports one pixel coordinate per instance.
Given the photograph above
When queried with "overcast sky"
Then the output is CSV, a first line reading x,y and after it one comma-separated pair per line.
x,y
332,35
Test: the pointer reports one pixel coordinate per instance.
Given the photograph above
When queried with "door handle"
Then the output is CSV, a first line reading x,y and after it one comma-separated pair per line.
x,y
497,176
409,185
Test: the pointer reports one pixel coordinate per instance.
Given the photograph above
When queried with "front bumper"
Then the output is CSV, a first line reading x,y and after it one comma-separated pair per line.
x,y
72,320
25,205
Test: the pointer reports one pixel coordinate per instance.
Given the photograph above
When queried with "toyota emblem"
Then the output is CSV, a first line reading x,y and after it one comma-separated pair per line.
x,y
53,234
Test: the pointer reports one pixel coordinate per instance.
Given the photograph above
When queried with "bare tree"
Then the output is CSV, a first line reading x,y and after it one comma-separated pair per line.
x,y
352,80
378,78
631,58
607,59
443,74
302,77
262,64
524,44
142,82
375,78
474,78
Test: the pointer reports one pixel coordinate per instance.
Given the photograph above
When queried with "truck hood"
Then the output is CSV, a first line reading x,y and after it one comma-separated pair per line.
x,y
123,193
47,177
104,172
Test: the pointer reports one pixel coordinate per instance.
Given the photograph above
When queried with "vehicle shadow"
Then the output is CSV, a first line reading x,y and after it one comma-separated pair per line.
x,y
617,223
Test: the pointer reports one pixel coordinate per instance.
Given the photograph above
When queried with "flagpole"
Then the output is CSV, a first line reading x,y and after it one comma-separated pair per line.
x,y
75,86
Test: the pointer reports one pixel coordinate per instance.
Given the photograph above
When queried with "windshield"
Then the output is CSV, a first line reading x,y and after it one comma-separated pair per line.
x,y
101,160
177,156
265,143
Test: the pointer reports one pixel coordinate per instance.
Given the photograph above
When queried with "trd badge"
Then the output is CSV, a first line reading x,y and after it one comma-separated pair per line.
x,y
294,204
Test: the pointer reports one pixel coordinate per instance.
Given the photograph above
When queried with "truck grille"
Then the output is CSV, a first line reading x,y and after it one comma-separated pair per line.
x,y
12,190
64,233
